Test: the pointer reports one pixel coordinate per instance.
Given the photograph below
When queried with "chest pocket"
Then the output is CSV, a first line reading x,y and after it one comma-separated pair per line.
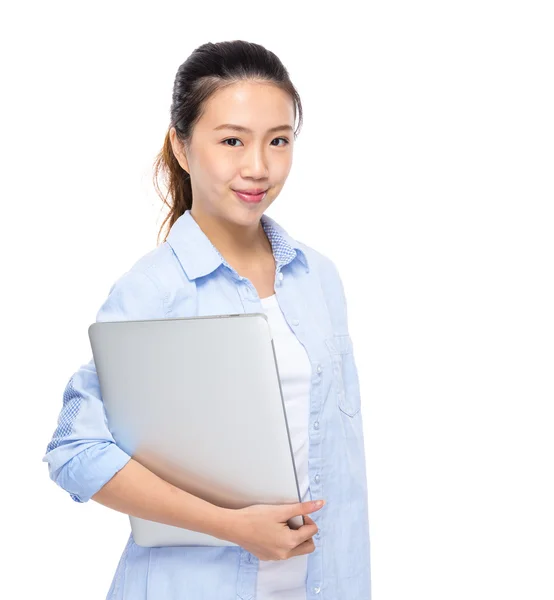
x,y
345,373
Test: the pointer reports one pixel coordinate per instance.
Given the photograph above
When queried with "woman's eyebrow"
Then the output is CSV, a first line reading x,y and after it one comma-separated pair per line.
x,y
246,130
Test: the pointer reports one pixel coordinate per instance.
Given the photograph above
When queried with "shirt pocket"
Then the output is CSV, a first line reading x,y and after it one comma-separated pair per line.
x,y
346,374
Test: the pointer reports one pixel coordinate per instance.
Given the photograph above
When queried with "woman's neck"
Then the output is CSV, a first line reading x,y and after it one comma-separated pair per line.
x,y
236,243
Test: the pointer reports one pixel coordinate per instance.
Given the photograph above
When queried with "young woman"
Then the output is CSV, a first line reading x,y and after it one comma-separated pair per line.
x,y
226,157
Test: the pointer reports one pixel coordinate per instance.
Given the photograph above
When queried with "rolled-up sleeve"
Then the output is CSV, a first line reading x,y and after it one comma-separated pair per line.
x,y
82,455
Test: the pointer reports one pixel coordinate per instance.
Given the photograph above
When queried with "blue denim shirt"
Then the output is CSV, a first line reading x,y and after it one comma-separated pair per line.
x,y
186,276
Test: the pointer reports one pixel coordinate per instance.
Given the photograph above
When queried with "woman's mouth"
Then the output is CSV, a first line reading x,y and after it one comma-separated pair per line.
x,y
249,197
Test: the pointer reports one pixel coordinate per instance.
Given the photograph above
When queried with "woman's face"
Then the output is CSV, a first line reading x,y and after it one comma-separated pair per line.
x,y
221,159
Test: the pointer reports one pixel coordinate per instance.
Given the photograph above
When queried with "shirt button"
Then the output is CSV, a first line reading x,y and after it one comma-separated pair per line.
x,y
319,369
295,321
280,277
316,425
316,478
317,590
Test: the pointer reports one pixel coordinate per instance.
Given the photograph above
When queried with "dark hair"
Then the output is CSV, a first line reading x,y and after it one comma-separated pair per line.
x,y
209,68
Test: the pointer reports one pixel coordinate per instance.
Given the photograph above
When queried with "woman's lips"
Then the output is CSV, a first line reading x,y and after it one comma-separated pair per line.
x,y
251,198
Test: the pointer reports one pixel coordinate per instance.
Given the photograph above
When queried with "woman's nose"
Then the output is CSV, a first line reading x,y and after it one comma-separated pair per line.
x,y
255,164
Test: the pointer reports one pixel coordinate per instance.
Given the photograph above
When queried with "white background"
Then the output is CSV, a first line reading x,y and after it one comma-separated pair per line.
x,y
427,150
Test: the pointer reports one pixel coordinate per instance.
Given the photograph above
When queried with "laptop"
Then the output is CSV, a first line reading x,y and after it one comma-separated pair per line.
x,y
198,401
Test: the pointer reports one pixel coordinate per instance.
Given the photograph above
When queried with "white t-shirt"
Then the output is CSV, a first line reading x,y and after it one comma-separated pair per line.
x,y
286,579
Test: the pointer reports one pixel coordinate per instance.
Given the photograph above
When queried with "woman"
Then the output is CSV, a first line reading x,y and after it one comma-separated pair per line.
x,y
227,154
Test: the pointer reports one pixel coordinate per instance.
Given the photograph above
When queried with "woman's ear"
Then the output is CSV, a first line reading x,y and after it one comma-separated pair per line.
x,y
178,149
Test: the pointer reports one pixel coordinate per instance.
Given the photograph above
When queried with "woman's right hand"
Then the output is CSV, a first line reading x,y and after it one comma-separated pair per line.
x,y
262,529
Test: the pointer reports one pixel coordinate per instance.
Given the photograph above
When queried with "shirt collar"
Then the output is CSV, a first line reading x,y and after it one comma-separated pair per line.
x,y
199,257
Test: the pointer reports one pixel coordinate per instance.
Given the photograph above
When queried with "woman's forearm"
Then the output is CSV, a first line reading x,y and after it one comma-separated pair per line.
x,y
136,491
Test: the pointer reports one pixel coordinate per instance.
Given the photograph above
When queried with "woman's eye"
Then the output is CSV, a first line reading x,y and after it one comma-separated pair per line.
x,y
231,140
237,140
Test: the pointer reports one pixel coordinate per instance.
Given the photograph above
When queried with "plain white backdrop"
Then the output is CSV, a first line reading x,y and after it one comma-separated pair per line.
x,y
427,147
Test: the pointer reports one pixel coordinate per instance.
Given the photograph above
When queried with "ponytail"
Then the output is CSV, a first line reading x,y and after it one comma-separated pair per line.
x,y
178,197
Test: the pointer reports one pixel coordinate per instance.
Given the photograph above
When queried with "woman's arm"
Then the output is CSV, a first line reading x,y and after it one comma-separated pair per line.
x,y
82,455
136,491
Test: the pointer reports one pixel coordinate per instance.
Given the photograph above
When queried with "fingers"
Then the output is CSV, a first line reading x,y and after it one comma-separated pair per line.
x,y
308,520
305,532
304,548
302,508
